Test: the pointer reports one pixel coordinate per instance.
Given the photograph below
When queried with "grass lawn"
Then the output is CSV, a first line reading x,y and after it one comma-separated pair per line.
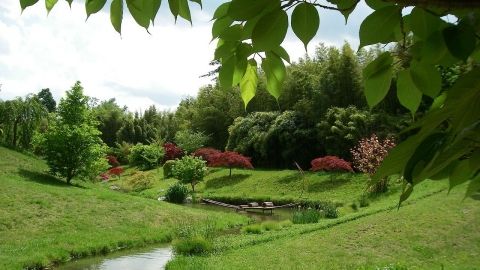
x,y
43,220
436,232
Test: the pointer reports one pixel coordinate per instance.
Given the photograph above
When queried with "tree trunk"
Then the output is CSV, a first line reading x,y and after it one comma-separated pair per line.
x,y
193,186
230,172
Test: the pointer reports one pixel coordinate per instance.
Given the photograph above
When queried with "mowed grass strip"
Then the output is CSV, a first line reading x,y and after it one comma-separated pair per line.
x,y
45,221
431,233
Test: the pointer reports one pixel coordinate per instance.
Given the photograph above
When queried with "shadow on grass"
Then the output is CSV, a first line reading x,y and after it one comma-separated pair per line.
x,y
226,180
290,178
328,184
42,178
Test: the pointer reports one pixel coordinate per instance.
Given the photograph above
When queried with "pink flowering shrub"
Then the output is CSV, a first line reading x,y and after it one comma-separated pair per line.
x,y
330,164
368,156
104,177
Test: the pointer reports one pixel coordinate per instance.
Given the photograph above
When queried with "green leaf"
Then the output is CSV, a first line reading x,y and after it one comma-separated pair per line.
x,y
174,7
275,72
282,53
460,40
427,79
225,74
116,15
270,31
232,33
377,4
94,6
408,94
155,7
422,156
220,25
239,70
305,22
199,2
434,51
69,3
475,161
184,10
346,7
405,194
224,50
473,187
242,10
423,24
26,3
380,26
460,174
141,11
377,78
49,4
248,85
221,11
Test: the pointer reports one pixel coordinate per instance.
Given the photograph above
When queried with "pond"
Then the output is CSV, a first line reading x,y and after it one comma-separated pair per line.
x,y
139,259
279,214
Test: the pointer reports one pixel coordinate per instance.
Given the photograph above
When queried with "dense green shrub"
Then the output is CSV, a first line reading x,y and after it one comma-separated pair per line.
x,y
305,216
364,201
176,193
330,210
168,169
271,226
190,141
274,140
139,181
197,245
146,157
121,151
190,170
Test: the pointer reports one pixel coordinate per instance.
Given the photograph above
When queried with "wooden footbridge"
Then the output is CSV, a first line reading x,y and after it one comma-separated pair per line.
x,y
266,206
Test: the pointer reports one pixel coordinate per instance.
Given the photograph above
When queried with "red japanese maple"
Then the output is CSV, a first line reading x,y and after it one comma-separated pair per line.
x,y
117,171
208,154
172,151
112,161
231,160
330,163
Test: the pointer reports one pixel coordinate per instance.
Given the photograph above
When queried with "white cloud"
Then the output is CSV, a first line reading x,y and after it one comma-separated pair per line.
x,y
138,69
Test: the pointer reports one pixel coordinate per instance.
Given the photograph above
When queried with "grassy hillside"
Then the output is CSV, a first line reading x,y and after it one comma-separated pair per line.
x,y
43,220
436,232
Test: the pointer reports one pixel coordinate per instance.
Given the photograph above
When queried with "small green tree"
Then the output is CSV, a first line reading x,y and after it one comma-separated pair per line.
x,y
72,145
146,157
190,141
190,170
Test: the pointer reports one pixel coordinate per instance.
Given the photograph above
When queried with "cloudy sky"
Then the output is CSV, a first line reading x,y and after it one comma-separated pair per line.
x,y
138,69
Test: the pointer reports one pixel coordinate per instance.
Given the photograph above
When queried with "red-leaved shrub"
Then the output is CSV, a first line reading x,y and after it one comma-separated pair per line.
x,y
331,164
117,171
104,177
208,154
368,156
112,161
172,151
231,160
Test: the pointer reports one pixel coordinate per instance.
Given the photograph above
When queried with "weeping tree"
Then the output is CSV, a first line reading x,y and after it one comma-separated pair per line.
x,y
20,118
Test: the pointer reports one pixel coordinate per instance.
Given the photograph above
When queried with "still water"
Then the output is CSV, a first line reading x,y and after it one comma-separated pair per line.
x,y
152,259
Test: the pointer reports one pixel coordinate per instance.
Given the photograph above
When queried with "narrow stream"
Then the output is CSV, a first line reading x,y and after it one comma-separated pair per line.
x,y
156,258
146,259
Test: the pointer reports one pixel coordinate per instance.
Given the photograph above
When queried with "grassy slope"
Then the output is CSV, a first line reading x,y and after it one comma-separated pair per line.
x,y
43,220
426,234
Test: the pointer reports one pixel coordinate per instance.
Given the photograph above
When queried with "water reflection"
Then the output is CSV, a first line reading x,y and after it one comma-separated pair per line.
x,y
155,259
